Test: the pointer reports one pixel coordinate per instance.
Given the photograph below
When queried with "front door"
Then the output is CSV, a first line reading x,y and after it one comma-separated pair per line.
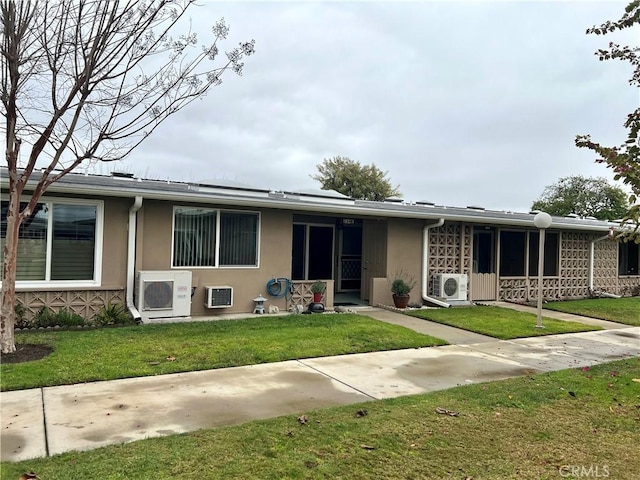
x,y
374,254
483,284
349,257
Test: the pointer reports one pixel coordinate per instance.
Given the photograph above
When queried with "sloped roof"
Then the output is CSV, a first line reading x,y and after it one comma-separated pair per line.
x,y
318,201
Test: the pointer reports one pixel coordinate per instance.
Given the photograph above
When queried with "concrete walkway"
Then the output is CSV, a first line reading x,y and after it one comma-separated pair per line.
x,y
52,420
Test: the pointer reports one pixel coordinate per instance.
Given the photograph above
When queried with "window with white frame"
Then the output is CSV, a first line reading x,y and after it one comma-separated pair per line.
x,y
205,237
58,242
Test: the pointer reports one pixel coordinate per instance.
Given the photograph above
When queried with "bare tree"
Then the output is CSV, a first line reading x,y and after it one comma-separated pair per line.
x,y
86,81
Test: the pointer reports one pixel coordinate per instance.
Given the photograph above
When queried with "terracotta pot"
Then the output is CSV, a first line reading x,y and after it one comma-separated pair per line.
x,y
401,301
317,297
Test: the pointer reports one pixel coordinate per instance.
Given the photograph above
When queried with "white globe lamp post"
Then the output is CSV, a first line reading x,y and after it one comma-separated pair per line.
x,y
542,221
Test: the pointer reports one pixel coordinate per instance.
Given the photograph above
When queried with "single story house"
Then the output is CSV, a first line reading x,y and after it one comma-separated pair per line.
x,y
191,249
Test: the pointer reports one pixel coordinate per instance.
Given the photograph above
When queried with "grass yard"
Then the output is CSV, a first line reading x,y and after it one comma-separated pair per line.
x,y
623,310
501,323
544,427
110,353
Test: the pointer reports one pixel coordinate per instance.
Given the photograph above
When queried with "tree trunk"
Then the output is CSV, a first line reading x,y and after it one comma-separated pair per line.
x,y
7,309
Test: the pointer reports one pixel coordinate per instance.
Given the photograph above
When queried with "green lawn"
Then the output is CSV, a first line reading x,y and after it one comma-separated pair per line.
x,y
110,353
624,310
499,322
544,427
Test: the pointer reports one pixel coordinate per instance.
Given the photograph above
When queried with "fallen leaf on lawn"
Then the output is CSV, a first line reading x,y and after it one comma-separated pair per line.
x,y
635,380
362,413
304,420
572,394
444,411
367,447
28,475
170,358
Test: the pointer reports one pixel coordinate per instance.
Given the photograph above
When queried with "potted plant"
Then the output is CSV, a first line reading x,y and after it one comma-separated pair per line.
x,y
400,288
317,288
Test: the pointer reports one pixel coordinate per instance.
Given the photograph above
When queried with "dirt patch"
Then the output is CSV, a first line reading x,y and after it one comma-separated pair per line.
x,y
26,352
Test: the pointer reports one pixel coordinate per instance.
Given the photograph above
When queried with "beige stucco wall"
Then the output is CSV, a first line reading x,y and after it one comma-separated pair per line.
x,y
404,257
114,248
154,253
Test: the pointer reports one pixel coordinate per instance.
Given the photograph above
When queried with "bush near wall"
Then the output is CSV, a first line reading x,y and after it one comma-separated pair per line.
x,y
109,314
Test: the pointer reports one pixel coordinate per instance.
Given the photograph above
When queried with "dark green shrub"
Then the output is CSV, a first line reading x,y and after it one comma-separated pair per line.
x,y
48,318
65,318
113,314
21,313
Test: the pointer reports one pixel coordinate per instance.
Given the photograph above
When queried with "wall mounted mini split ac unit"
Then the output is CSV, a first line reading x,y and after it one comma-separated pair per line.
x,y
218,297
450,286
163,294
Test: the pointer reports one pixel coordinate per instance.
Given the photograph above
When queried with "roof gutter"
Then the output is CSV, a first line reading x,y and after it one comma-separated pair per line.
x,y
131,257
425,264
592,264
355,208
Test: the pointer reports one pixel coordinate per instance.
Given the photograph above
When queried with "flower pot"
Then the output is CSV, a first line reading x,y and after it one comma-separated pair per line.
x,y
401,301
317,297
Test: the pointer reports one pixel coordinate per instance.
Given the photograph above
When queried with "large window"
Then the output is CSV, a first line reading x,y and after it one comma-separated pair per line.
x,y
628,258
513,254
551,249
204,237
57,242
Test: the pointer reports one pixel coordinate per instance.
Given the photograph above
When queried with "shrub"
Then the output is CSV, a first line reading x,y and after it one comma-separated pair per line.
x,y
318,287
113,314
21,312
400,287
48,318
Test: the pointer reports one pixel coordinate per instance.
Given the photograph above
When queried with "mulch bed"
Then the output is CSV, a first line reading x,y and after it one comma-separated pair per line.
x,y
26,352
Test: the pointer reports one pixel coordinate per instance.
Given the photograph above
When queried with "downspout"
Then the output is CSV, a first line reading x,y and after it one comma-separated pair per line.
x,y
592,265
131,258
425,264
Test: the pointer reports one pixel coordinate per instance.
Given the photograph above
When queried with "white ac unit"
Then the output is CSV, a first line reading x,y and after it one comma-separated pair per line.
x,y
450,286
218,297
163,294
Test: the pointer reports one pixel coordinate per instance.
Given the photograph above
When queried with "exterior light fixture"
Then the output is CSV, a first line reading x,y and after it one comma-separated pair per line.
x,y
542,221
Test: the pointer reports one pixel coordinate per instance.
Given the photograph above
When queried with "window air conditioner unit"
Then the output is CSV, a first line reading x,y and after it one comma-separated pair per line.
x,y
218,297
163,294
450,286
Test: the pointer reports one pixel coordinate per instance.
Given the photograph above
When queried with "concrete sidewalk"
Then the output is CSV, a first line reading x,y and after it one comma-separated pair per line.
x,y
53,420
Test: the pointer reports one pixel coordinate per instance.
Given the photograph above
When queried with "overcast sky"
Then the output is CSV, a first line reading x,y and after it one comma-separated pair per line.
x,y
462,103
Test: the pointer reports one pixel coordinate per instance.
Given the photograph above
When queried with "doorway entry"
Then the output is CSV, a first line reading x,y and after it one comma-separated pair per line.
x,y
483,272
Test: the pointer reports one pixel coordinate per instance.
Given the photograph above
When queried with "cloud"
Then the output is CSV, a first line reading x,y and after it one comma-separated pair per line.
x,y
462,103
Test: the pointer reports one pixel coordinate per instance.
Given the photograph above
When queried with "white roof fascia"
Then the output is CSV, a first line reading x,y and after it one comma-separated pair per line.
x,y
337,206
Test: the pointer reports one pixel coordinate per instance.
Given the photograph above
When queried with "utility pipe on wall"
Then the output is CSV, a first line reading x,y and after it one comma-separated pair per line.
x,y
425,264
131,258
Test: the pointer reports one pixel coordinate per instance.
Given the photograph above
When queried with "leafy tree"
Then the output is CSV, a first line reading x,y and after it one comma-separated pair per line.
x,y
85,81
364,182
623,159
587,197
